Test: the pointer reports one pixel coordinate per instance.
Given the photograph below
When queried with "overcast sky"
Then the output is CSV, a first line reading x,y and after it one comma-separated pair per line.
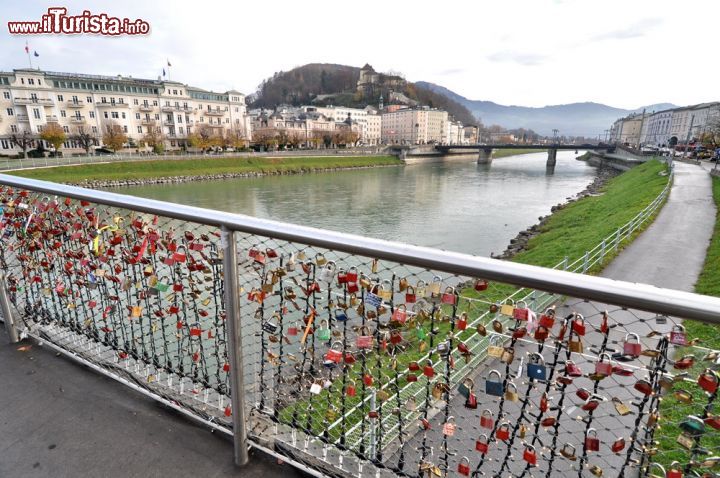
x,y
523,52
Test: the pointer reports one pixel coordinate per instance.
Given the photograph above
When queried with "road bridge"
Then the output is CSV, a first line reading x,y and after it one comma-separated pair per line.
x,y
485,150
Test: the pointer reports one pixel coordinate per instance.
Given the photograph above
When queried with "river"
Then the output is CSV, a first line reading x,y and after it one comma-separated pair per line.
x,y
455,205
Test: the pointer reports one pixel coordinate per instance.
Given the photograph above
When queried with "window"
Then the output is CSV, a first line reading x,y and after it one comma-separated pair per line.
x,y
227,120
32,82
105,113
40,128
22,81
174,92
6,95
103,99
66,129
36,113
13,128
114,114
167,103
181,130
5,144
121,101
39,82
139,129
123,115
62,113
92,114
89,99
169,117
10,111
60,98
179,119
125,129
137,115
94,129
157,117
135,101
154,102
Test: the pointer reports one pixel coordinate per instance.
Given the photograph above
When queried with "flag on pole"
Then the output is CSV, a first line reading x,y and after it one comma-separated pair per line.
x,y
27,48
36,53
163,71
169,65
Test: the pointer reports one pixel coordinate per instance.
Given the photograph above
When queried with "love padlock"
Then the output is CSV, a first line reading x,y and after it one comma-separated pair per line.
x,y
569,452
351,389
674,471
544,403
529,455
364,340
462,321
327,273
578,325
428,369
592,442
572,369
678,335
494,387
449,427
603,368
481,444
618,445
536,367
399,315
541,333
503,432
507,308
486,419
340,315
708,381
547,319
481,285
464,466
449,296
521,311
410,295
632,345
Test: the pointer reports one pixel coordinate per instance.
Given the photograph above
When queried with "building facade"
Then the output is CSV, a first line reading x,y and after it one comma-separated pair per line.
x,y
32,99
414,126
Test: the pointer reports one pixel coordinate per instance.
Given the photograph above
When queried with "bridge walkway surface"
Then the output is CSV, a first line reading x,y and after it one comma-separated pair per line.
x,y
58,419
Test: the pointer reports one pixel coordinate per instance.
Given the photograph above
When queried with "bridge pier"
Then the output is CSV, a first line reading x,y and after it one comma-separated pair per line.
x,y
552,157
485,156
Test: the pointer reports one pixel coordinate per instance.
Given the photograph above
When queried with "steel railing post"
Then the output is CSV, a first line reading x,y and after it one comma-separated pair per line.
x,y
7,312
232,310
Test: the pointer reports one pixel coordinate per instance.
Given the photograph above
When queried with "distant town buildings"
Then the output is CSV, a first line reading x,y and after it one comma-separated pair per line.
x,y
673,126
32,99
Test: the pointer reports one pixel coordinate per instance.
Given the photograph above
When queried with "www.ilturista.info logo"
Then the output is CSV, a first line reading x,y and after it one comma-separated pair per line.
x,y
58,21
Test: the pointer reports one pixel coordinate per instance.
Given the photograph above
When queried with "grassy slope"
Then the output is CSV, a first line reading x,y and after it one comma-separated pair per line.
x,y
673,411
190,167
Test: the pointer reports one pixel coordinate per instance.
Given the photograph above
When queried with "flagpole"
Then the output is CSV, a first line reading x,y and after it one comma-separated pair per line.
x,y
27,50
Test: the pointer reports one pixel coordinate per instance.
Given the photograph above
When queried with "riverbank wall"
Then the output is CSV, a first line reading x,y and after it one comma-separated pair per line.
x,y
616,162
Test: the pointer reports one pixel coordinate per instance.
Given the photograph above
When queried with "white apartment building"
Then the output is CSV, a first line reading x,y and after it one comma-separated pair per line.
x,y
368,122
414,126
455,133
656,129
30,99
690,122
373,130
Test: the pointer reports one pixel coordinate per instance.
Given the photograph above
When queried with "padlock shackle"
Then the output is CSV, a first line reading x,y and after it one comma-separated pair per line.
x,y
491,373
632,334
541,359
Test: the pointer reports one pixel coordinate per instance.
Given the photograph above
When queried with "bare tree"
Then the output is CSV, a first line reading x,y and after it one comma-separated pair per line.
x,y
114,136
23,140
235,138
85,139
154,138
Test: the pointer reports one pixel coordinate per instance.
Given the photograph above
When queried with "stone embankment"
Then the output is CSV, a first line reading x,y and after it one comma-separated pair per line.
x,y
519,243
105,183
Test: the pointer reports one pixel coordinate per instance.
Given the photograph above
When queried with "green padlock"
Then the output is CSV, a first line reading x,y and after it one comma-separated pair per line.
x,y
693,426
323,333
421,333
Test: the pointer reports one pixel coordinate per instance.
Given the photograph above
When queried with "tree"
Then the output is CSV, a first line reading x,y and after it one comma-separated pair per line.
x,y
201,137
154,138
711,133
85,139
23,140
114,136
55,135
235,138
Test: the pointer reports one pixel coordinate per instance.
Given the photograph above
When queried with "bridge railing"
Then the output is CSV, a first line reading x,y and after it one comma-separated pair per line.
x,y
351,353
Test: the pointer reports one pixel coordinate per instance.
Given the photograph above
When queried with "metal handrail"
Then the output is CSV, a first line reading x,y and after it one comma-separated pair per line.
x,y
638,296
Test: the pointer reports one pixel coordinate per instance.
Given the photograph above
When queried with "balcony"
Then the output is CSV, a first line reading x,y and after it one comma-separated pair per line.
x,y
168,123
23,118
75,104
77,119
33,101
51,118
146,108
148,122
214,113
167,109
111,105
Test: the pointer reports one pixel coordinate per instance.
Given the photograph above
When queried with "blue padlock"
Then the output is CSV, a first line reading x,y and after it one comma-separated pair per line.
x,y
536,367
494,387
340,315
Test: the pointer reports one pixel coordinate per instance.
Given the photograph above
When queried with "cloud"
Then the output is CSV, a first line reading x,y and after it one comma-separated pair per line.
x,y
636,30
521,58
452,71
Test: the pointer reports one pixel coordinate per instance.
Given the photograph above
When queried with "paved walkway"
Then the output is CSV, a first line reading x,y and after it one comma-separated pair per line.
x,y
58,419
671,252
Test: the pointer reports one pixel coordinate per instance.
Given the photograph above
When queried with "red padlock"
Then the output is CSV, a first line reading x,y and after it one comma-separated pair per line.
x,y
399,314
643,386
335,354
413,366
462,321
464,466
678,335
592,442
449,296
530,456
548,421
618,445
590,404
481,444
503,433
349,358
486,419
632,345
603,368
583,393
572,370
350,389
521,312
481,285
578,325
674,471
396,337
352,287
367,380
547,319
410,296
428,370
544,403
411,377
352,274
541,333
708,381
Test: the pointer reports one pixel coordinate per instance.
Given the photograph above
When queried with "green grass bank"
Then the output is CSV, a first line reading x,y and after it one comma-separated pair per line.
x,y
159,168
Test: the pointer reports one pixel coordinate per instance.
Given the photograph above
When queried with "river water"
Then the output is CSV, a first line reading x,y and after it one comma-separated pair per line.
x,y
455,205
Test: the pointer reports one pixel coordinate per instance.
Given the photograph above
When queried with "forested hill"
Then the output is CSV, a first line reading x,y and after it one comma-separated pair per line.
x,y
324,83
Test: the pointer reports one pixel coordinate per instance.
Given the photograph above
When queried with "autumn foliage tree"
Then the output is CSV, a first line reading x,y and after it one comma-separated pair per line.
x,y
114,137
154,138
54,134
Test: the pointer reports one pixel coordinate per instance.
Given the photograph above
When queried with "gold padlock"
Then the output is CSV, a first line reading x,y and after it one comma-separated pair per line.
x,y
576,346
403,284
507,308
686,441
382,395
511,395
596,470
522,431
508,355
620,407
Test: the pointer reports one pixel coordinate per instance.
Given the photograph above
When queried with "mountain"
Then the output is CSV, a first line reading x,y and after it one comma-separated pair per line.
x,y
574,119
325,83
